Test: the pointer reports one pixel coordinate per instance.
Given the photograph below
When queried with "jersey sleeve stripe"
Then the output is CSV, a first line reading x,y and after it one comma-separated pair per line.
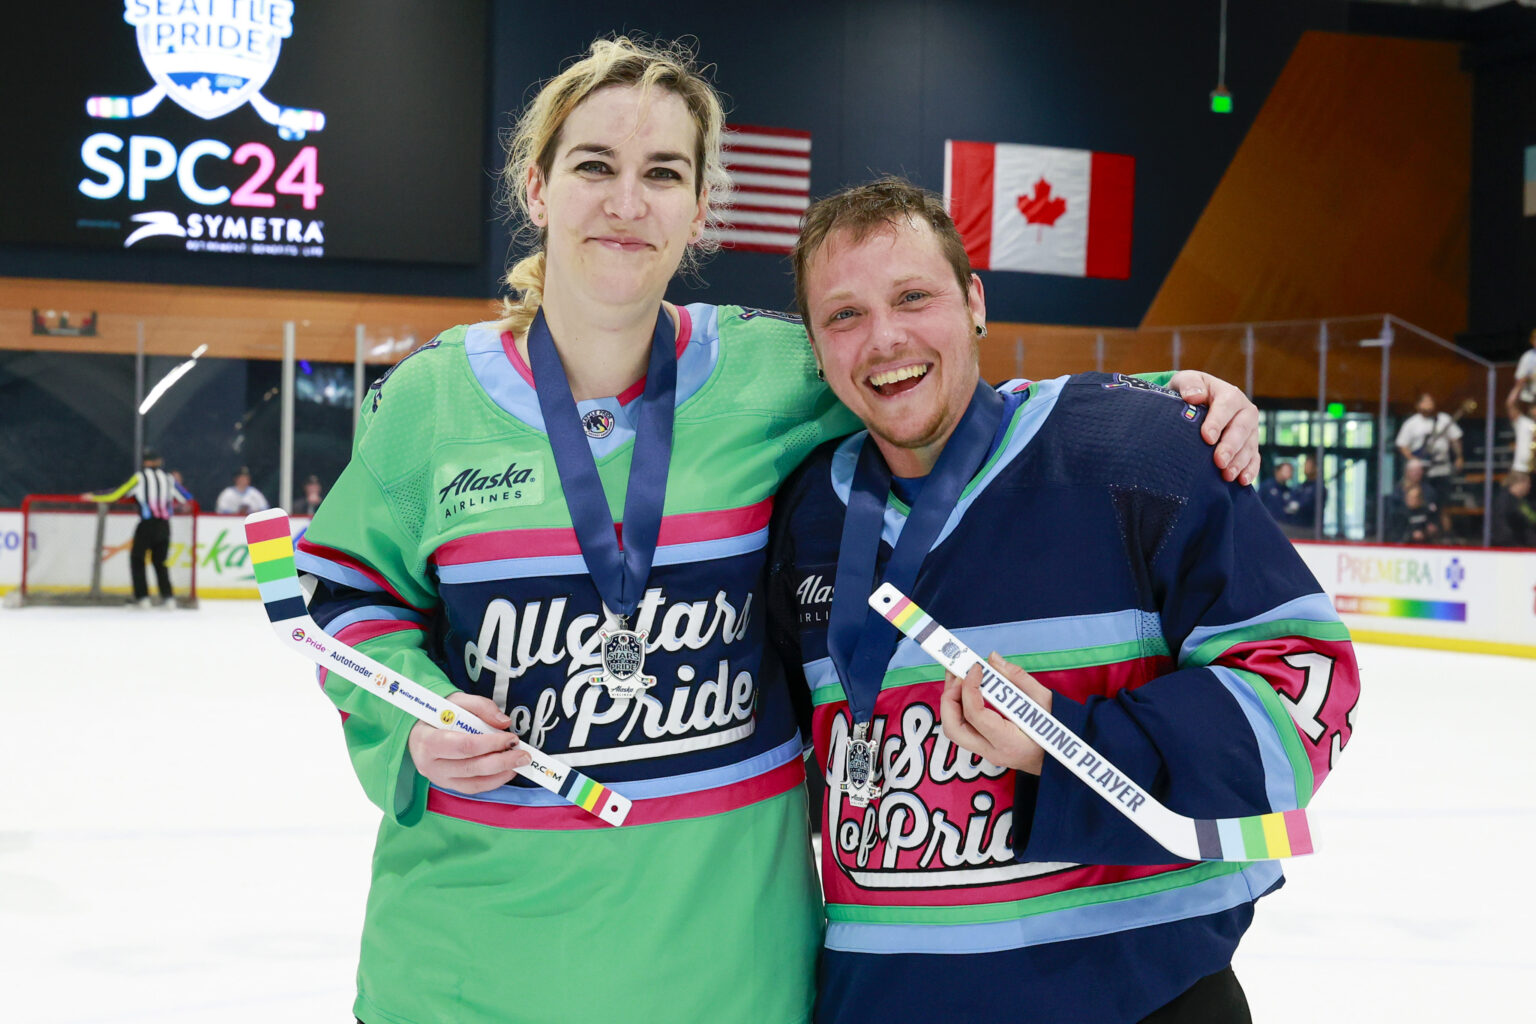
x,y
1287,770
339,567
375,613
359,632
1309,615
1307,629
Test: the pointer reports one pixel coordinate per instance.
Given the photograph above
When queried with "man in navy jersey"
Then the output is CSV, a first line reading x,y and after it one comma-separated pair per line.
x,y
1076,529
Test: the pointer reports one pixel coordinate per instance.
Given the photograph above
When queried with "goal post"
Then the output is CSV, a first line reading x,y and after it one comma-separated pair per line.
x,y
82,552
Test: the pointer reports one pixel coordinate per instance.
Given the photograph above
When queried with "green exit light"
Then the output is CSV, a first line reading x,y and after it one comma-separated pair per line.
x,y
1335,410
1221,100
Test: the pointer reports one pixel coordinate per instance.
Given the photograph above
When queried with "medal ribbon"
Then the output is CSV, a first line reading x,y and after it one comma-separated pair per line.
x,y
618,575
859,639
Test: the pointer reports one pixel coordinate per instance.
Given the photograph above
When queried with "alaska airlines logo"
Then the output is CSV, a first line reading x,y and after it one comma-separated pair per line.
x,y
520,482
814,595
210,57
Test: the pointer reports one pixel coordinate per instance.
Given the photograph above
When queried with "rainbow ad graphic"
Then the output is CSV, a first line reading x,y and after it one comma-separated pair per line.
x,y
1401,608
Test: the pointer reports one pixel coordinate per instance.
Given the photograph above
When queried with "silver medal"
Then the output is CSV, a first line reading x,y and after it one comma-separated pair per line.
x,y
624,662
859,768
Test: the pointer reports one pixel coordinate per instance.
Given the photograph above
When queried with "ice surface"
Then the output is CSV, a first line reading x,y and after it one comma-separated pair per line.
x,y
182,840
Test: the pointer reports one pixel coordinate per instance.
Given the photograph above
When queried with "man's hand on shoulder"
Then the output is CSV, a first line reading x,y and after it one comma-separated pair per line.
x,y
1231,422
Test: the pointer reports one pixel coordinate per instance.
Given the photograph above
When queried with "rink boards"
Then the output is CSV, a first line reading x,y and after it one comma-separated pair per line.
x,y
223,561
1462,599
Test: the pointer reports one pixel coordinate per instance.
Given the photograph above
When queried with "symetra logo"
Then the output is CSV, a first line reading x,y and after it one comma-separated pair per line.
x,y
211,57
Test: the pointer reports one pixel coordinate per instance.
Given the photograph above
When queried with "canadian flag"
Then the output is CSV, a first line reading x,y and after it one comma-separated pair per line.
x,y
1039,209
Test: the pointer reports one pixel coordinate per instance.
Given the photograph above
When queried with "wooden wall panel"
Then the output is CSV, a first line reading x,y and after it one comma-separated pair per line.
x,y
1350,194
233,322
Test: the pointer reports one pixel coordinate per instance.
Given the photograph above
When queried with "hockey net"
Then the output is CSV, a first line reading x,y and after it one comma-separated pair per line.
x,y
77,551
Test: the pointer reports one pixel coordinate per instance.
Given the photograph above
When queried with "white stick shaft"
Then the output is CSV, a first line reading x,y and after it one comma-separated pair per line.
x,y
304,635
1174,832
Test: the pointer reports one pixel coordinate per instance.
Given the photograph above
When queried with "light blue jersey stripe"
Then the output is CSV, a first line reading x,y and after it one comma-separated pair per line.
x,y
1210,896
506,387
1279,777
335,572
372,613
1030,636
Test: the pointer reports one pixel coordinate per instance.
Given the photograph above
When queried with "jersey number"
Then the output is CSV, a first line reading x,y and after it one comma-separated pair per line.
x,y
1316,679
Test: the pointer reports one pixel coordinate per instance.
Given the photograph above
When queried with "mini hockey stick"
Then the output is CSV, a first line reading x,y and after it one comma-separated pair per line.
x,y
271,546
1256,837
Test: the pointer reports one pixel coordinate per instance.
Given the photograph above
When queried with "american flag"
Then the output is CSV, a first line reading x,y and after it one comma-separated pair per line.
x,y
770,171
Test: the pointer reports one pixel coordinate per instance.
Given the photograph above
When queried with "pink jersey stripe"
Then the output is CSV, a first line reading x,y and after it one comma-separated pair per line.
x,y
1103,680
841,890
644,812
684,528
368,629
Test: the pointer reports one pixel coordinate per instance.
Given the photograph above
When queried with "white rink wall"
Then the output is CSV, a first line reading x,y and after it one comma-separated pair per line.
x,y
1453,598
223,563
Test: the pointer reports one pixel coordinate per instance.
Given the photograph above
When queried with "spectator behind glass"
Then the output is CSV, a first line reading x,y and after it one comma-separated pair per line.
x,y
1308,495
1514,517
1521,405
1432,437
240,498
1277,495
310,503
1414,515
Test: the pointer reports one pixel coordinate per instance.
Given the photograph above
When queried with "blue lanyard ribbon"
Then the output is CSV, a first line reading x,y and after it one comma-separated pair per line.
x,y
619,576
859,640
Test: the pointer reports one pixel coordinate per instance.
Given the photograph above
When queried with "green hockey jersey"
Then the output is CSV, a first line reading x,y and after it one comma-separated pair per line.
x,y
446,551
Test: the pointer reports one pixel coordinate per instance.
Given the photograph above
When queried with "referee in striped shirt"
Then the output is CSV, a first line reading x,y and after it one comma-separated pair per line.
x,y
157,493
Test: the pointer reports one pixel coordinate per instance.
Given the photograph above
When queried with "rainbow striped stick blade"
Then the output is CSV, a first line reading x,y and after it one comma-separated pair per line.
x,y
270,541
1257,837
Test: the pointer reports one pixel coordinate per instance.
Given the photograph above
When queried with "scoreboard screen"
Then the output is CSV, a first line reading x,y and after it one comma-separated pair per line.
x,y
289,129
